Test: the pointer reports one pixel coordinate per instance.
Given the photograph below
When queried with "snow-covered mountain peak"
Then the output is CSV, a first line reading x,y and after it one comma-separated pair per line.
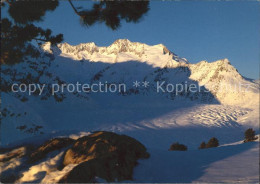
x,y
46,47
224,61
214,72
219,66
121,50
123,62
122,42
224,81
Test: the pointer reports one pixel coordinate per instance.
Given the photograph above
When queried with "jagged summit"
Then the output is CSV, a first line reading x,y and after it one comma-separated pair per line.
x,y
121,50
219,77
122,42
123,45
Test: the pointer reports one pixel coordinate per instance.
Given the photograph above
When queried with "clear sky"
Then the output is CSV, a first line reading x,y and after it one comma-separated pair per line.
x,y
194,30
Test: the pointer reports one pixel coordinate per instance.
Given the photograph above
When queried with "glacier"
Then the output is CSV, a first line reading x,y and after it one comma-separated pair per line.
x,y
226,105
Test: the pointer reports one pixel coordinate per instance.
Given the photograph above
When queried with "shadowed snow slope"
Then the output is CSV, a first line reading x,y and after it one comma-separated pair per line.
x,y
232,163
220,77
228,164
136,108
224,104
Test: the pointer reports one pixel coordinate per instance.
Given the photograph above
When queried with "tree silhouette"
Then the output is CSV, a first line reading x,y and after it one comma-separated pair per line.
x,y
202,145
213,142
24,12
15,41
250,135
112,12
178,147
18,32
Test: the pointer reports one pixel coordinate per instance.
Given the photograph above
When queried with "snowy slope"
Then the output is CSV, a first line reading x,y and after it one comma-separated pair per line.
x,y
238,163
233,163
219,77
226,105
120,51
124,62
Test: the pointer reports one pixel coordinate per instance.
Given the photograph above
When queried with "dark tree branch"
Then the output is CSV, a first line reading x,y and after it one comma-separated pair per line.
x,y
75,10
39,39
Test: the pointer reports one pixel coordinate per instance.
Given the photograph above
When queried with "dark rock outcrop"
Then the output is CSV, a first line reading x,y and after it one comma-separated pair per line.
x,y
49,146
103,154
15,153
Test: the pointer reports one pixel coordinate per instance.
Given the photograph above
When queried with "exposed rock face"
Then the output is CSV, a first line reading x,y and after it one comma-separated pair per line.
x,y
49,146
10,161
103,154
15,153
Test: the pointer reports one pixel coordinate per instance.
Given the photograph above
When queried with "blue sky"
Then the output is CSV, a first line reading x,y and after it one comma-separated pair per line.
x,y
194,30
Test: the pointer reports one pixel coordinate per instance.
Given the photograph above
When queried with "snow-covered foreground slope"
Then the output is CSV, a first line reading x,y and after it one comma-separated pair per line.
x,y
237,163
232,163
154,121
224,107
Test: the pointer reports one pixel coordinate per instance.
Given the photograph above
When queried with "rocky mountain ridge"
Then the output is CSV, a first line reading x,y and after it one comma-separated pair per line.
x,y
219,77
